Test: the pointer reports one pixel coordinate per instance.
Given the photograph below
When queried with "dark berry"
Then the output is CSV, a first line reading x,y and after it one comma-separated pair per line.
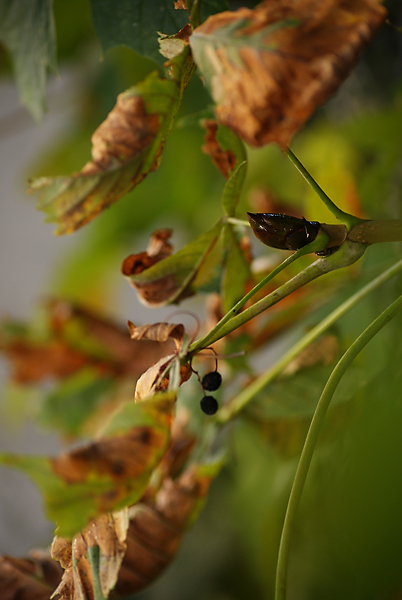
x,y
211,381
209,405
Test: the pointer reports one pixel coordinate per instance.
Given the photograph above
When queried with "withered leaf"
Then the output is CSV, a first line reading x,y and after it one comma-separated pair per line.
x,y
158,332
171,45
32,362
268,69
105,475
158,249
107,533
173,278
18,583
156,378
225,161
126,147
157,527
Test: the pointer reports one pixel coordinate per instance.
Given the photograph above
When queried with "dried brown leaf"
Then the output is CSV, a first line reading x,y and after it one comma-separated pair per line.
x,y
156,528
173,278
283,60
108,533
154,380
158,249
224,160
32,362
172,45
158,332
120,458
126,131
27,579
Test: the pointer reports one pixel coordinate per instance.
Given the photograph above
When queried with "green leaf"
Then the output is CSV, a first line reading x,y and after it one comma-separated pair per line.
x,y
236,272
174,278
211,7
106,475
135,23
27,30
74,200
233,189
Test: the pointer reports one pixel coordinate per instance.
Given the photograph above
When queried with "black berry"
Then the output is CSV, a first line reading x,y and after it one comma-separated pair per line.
x,y
211,381
209,405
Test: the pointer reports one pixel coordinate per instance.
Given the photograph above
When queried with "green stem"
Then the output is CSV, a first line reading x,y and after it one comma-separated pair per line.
x,y
312,436
377,232
349,220
237,404
348,253
318,244
94,561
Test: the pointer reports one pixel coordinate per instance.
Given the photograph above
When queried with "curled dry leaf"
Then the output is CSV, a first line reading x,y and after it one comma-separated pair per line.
x,y
158,249
224,160
157,527
108,533
158,332
126,131
160,278
268,69
31,578
153,379
156,378
172,45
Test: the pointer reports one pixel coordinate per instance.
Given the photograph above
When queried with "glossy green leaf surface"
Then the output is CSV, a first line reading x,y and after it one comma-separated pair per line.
x,y
135,23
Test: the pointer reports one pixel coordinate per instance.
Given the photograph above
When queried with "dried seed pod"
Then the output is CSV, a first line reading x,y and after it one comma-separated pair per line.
x,y
283,231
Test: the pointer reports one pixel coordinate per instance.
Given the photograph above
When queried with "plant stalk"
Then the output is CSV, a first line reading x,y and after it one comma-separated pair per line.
x,y
349,253
349,220
237,404
312,437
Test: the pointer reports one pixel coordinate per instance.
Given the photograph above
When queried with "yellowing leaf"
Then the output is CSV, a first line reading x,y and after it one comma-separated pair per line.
x,y
268,69
105,475
125,148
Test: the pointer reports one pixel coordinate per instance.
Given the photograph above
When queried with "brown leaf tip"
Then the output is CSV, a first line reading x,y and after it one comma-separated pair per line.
x,y
224,160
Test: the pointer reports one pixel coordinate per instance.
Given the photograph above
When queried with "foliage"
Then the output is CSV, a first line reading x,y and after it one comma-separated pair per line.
x,y
309,500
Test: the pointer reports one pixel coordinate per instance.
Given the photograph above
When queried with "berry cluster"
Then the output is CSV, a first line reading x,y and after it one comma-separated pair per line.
x,y
210,382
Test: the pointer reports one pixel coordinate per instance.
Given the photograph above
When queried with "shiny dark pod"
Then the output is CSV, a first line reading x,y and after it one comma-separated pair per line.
x,y
283,231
